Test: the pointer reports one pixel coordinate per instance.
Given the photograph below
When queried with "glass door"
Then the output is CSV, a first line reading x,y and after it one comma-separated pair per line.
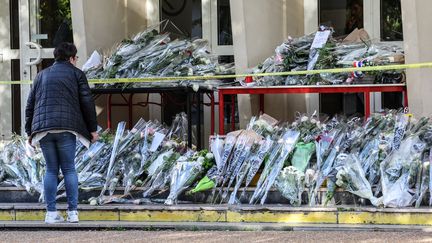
x,y
43,25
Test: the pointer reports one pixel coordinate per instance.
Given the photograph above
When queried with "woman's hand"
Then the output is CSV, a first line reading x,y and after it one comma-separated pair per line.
x,y
95,137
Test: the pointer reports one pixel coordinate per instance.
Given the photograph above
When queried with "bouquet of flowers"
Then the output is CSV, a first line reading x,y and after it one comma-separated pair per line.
x,y
398,169
186,171
154,54
350,176
274,165
291,183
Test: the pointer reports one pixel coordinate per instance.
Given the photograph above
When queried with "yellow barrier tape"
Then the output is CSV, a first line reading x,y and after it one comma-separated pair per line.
x,y
231,76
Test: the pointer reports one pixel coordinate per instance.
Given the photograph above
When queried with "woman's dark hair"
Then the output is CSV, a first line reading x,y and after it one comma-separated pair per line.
x,y
64,51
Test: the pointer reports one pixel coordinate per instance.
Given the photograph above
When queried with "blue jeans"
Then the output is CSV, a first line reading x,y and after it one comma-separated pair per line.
x,y
59,152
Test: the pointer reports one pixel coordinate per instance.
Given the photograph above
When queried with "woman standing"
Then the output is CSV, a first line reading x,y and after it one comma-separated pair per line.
x,y
60,109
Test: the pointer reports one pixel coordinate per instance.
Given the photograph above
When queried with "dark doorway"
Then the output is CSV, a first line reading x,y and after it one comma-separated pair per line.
x,y
16,96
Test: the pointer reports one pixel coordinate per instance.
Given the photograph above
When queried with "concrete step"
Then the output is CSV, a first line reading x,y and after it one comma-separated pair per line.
x,y
197,213
11,194
207,226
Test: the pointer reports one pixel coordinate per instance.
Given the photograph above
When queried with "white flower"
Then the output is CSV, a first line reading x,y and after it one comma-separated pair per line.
x,y
169,144
190,72
195,87
209,156
93,202
137,156
269,129
304,118
200,160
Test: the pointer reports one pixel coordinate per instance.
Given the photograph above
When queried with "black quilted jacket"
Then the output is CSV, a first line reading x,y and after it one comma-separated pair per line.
x,y
60,99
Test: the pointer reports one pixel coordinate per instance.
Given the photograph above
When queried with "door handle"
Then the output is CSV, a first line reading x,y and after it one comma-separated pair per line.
x,y
38,56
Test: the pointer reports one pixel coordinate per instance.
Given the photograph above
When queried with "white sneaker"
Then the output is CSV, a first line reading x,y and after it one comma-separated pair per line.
x,y
72,216
53,217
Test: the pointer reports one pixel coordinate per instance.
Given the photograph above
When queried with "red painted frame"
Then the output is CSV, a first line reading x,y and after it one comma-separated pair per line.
x,y
128,103
365,89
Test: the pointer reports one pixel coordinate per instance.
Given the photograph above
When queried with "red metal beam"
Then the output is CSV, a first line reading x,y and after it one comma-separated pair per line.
x,y
232,112
367,104
366,89
221,114
312,89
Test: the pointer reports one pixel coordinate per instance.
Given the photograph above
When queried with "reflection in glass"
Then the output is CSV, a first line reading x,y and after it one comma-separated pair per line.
x,y
391,20
226,59
224,23
53,18
185,16
343,15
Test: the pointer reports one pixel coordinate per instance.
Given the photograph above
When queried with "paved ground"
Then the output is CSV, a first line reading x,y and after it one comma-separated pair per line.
x,y
211,236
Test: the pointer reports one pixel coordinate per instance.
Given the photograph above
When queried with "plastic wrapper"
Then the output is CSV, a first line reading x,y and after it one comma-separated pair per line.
x,y
227,156
159,171
251,139
217,148
253,158
21,167
125,158
265,125
398,171
430,181
207,182
154,54
239,154
111,181
349,154
400,129
299,54
83,164
309,127
274,165
184,173
423,180
351,177
371,162
179,128
325,166
302,154
255,162
291,183
134,151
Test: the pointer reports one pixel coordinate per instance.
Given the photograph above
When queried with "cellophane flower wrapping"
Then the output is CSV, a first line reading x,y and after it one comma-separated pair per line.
x,y
291,183
398,171
350,176
184,173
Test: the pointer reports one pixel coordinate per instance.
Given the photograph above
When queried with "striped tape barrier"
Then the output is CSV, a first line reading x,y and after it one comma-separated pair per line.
x,y
234,76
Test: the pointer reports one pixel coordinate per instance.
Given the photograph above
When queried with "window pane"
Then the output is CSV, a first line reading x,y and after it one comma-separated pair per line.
x,y
186,15
53,18
224,23
391,20
226,59
343,15
14,24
